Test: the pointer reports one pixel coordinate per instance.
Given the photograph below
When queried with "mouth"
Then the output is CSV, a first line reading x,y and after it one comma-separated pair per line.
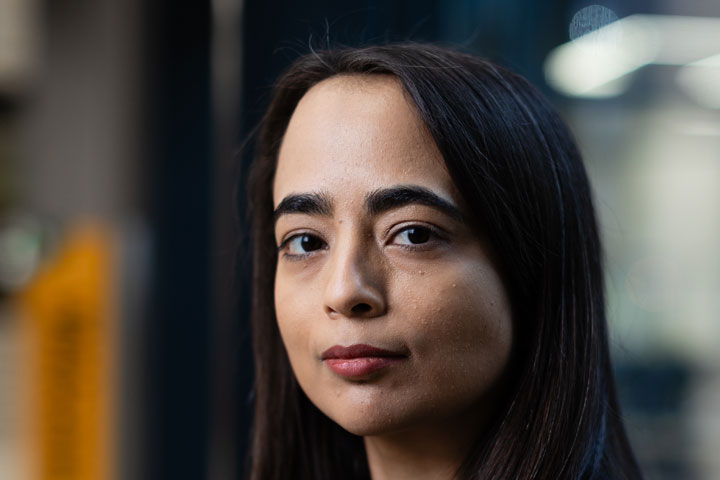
x,y
358,361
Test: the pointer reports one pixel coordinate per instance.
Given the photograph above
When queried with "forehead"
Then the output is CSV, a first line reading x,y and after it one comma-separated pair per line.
x,y
353,134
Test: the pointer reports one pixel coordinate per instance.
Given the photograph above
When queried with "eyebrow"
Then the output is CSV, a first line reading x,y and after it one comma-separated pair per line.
x,y
376,202
308,203
381,201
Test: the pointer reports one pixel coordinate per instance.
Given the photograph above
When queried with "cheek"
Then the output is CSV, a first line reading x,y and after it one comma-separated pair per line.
x,y
293,312
461,328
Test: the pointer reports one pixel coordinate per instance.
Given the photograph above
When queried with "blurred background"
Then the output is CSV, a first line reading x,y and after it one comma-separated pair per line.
x,y
124,348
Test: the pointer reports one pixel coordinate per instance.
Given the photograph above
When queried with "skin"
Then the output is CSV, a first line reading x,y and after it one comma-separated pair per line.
x,y
350,276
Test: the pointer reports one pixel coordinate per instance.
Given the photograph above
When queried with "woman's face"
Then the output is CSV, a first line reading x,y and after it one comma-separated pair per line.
x,y
391,308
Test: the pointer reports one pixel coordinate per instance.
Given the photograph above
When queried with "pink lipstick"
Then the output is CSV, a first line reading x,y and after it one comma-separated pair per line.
x,y
358,361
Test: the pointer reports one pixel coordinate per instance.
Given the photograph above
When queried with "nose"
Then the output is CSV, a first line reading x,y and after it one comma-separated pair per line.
x,y
356,285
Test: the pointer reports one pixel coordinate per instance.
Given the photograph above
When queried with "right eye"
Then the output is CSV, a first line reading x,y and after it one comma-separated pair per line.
x,y
302,244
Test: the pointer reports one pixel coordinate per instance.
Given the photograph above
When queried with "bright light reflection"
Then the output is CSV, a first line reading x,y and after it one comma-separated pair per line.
x,y
599,63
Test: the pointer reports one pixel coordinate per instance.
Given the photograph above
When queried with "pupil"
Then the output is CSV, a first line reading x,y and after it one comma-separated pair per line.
x,y
418,235
309,243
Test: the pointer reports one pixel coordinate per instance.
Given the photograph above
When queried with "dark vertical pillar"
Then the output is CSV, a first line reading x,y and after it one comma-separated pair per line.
x,y
180,162
230,353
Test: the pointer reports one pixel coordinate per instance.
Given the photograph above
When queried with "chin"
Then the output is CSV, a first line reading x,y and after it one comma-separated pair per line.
x,y
370,419
369,426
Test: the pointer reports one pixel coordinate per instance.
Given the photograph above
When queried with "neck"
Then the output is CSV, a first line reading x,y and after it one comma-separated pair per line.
x,y
433,451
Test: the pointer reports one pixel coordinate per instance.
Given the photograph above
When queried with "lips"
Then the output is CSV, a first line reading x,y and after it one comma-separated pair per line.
x,y
357,361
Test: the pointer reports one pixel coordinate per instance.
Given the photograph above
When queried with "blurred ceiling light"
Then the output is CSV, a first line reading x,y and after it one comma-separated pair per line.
x,y
588,20
701,81
599,63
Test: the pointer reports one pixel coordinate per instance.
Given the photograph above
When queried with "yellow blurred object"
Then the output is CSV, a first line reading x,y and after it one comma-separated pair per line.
x,y
69,322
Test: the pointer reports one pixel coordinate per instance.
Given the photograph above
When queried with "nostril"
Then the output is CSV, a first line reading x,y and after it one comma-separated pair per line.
x,y
361,308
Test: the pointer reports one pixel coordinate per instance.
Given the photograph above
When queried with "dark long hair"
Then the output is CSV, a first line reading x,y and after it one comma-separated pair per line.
x,y
517,166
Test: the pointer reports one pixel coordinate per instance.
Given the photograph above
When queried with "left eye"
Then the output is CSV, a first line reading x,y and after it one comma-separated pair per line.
x,y
303,244
414,235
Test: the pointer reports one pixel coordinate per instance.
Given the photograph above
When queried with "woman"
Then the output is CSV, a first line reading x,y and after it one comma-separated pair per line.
x,y
428,288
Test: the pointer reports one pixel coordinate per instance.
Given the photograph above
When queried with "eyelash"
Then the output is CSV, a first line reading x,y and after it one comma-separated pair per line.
x,y
300,256
434,233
